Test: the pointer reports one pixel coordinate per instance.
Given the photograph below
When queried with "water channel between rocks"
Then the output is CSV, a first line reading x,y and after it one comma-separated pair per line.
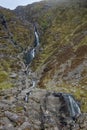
x,y
29,55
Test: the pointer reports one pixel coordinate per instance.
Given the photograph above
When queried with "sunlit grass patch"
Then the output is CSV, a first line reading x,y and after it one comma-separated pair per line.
x,y
5,85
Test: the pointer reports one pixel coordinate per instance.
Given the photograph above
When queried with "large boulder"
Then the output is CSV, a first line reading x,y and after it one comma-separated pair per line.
x,y
52,111
44,110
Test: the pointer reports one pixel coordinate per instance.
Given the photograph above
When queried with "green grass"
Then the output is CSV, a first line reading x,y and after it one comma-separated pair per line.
x,y
3,76
60,28
5,85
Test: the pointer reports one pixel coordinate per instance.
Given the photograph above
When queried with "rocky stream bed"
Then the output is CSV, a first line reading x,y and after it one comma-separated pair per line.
x,y
26,107
42,111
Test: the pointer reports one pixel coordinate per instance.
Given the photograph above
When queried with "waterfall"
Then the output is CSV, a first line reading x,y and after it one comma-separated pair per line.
x,y
33,84
36,42
36,39
73,106
26,98
28,57
75,110
33,53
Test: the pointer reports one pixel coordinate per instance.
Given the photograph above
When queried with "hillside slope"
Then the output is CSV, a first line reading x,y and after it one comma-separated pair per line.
x,y
15,36
43,66
61,64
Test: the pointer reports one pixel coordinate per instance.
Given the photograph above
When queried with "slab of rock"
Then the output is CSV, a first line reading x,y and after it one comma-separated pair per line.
x,y
6,124
14,117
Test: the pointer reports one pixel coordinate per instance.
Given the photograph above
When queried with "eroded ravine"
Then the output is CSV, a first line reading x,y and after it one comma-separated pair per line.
x,y
29,55
66,100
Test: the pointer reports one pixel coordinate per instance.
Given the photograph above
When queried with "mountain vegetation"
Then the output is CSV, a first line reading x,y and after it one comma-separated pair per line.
x,y
61,63
43,66
14,37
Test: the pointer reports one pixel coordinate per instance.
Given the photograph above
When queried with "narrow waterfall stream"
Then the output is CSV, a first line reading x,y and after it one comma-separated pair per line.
x,y
36,44
72,105
69,101
29,55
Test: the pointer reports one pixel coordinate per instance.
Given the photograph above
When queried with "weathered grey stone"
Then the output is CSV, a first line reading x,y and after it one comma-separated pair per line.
x,y
24,126
48,110
43,111
6,124
14,117
3,106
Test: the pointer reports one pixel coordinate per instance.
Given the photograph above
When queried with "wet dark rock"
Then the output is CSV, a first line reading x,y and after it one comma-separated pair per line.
x,y
49,110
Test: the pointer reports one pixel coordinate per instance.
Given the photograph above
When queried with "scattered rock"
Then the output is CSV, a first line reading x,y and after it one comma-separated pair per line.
x,y
45,110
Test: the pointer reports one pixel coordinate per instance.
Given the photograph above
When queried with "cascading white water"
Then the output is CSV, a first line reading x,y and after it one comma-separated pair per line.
x,y
26,98
33,53
73,107
33,84
37,38
75,110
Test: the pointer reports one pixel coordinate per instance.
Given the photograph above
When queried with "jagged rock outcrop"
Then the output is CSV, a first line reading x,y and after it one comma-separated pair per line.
x,y
45,110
